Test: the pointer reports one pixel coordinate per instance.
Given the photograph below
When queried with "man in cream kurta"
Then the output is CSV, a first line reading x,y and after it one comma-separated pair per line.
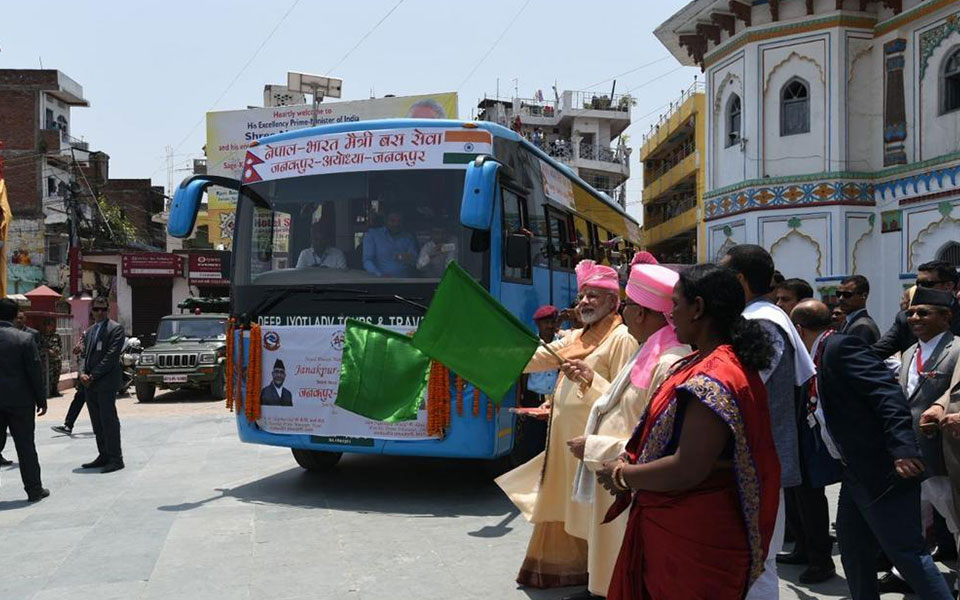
x,y
541,488
617,408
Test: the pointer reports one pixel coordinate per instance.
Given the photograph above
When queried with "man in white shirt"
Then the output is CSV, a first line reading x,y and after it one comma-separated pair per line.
x,y
320,254
436,254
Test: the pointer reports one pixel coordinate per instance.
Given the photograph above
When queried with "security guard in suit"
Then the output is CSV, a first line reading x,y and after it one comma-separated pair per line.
x,y
101,379
23,397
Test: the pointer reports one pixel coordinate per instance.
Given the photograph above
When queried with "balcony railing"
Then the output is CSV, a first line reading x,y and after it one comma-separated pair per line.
x,y
600,101
656,168
685,95
563,149
656,214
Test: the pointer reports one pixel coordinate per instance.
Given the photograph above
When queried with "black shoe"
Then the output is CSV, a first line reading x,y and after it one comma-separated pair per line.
x,y
4,462
944,554
99,462
63,429
582,595
817,574
111,467
891,584
38,495
791,558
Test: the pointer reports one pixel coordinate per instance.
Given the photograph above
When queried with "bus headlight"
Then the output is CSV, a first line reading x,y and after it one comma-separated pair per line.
x,y
208,358
148,359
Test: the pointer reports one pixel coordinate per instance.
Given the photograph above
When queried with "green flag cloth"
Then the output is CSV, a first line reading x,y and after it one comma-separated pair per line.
x,y
382,376
467,330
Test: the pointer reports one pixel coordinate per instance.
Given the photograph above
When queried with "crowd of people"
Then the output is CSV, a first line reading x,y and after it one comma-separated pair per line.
x,y
695,418
25,390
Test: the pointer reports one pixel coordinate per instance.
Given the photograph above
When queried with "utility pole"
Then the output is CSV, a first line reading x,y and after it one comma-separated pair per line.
x,y
76,259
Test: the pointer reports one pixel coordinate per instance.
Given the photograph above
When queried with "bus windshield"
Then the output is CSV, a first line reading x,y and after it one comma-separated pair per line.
x,y
363,226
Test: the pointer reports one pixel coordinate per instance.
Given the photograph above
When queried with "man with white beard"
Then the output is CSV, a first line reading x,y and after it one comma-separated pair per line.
x,y
541,488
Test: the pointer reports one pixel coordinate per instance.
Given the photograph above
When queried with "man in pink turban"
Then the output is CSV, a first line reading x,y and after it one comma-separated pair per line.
x,y
541,487
617,405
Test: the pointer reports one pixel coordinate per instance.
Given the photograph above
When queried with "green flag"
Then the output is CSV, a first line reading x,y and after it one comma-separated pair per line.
x,y
466,329
382,376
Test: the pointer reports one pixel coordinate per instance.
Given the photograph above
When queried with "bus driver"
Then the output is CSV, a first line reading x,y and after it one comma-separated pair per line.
x,y
320,253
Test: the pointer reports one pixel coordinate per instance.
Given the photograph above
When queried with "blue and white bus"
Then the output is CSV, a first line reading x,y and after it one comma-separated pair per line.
x,y
358,221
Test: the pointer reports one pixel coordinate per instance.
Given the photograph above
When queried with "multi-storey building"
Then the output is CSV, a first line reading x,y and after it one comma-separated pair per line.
x,y
582,129
673,167
832,134
37,150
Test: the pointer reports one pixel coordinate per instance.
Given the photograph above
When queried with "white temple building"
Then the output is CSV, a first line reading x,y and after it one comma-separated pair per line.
x,y
833,134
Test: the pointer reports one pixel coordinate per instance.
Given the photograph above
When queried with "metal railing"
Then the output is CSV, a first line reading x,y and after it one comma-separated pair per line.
x,y
601,101
656,168
685,95
544,109
661,212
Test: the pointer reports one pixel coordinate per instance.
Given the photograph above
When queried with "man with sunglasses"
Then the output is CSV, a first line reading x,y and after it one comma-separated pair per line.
x,y
852,295
101,380
925,376
937,275
863,419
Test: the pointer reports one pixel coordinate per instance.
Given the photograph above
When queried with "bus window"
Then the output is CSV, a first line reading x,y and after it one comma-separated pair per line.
x,y
537,224
585,247
270,247
562,248
354,227
514,221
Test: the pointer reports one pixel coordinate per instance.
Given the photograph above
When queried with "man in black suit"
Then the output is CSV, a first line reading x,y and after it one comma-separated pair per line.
x,y
20,322
852,295
24,395
866,424
275,394
101,380
938,275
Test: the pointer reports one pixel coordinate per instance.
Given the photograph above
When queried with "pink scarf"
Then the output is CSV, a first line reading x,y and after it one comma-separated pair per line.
x,y
642,371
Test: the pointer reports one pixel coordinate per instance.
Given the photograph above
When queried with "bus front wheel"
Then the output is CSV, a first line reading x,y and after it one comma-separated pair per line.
x,y
315,460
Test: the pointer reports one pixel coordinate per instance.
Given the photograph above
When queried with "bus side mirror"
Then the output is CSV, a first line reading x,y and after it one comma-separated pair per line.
x,y
517,251
186,202
479,193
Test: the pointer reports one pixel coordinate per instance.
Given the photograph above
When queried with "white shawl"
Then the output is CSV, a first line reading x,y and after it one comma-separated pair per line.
x,y
803,364
584,481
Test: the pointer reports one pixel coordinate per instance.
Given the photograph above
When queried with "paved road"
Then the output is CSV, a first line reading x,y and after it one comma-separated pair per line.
x,y
197,515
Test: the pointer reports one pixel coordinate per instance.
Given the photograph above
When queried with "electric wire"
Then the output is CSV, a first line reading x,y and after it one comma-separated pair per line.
x,y
494,45
365,36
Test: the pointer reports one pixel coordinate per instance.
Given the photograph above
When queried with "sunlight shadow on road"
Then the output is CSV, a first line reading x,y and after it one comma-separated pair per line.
x,y
413,486
498,530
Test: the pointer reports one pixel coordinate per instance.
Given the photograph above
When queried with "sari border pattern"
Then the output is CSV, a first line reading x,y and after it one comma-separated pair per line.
x,y
720,400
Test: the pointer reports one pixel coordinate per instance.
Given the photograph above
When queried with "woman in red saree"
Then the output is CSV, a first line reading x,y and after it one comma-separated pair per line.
x,y
701,466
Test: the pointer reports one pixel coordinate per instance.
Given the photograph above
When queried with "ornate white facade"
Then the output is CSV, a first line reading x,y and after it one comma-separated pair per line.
x,y
833,134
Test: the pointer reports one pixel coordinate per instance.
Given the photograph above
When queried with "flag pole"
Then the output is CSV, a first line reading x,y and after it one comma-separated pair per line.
x,y
559,358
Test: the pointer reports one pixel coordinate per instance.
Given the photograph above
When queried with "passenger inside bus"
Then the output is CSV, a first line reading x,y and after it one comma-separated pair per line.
x,y
439,251
390,251
321,252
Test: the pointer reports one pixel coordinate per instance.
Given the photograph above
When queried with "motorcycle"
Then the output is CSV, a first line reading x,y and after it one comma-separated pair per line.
x,y
128,359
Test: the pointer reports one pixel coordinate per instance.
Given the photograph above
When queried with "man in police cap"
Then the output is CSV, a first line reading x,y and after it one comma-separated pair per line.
x,y
275,394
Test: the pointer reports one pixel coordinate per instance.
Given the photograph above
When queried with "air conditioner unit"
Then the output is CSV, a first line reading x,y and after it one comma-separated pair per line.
x,y
279,95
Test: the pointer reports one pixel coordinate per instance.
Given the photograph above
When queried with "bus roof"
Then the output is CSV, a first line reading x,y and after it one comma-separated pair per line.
x,y
494,129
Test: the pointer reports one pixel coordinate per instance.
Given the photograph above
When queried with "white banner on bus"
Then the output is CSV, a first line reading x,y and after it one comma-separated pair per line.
x,y
556,185
300,399
371,150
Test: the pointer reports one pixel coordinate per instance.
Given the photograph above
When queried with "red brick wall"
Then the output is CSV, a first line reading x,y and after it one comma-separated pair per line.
x,y
139,202
19,119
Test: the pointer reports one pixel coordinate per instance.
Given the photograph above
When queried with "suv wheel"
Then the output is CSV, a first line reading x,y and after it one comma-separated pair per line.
x,y
145,391
315,460
218,389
